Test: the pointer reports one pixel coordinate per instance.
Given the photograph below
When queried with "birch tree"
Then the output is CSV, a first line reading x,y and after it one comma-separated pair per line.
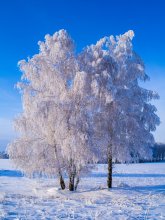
x,y
52,134
125,116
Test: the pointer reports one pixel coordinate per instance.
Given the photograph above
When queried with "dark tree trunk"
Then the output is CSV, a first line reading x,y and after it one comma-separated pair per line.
x,y
62,183
72,175
71,183
61,179
77,182
109,177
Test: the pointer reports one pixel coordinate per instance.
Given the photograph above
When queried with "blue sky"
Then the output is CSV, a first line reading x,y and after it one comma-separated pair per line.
x,y
24,22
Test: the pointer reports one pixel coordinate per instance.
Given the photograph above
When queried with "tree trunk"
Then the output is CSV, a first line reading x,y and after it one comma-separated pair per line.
x,y
71,183
77,182
61,179
109,177
62,183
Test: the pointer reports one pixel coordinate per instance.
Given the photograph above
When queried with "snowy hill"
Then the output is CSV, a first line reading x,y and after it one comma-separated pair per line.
x,y
138,193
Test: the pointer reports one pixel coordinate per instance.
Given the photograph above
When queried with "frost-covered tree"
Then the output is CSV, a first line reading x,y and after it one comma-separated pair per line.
x,y
137,117
83,108
52,128
125,118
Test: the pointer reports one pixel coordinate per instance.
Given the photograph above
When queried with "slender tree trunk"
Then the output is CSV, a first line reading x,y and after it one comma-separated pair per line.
x,y
72,175
61,179
77,182
109,177
71,182
62,183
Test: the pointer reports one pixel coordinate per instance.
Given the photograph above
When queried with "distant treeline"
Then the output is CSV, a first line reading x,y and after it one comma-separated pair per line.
x,y
159,152
4,155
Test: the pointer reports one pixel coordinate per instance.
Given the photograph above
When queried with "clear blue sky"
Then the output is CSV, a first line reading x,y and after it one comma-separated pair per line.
x,y
24,22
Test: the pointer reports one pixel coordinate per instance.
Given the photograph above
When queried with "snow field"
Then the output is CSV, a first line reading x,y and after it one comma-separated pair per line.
x,y
138,193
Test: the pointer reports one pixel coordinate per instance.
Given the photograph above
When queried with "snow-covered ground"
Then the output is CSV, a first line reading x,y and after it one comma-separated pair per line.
x,y
138,193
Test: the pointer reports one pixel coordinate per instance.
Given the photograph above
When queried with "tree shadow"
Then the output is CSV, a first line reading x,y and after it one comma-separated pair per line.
x,y
154,189
143,189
